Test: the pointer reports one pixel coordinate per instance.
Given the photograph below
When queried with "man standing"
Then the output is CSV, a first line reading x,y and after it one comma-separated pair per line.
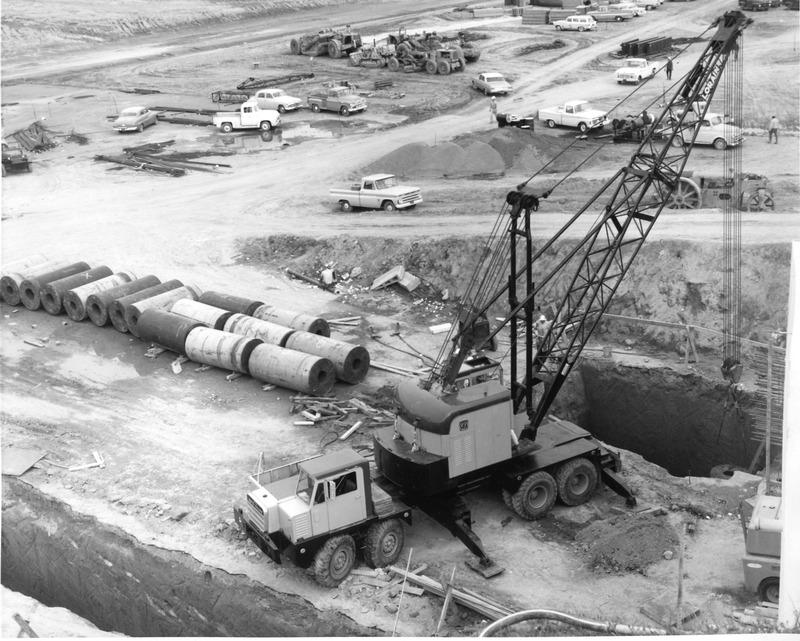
x,y
669,68
773,129
492,110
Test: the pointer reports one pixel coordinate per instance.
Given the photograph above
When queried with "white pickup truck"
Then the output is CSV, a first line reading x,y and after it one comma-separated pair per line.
x,y
249,116
576,113
378,191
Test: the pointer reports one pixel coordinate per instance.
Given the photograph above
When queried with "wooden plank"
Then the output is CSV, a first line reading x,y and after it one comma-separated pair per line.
x,y
371,580
25,628
448,596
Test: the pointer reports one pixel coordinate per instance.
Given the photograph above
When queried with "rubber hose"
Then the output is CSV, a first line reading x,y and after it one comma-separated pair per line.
x,y
596,626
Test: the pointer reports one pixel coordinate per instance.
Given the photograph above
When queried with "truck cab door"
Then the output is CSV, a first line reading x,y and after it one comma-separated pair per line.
x,y
347,502
319,509
247,116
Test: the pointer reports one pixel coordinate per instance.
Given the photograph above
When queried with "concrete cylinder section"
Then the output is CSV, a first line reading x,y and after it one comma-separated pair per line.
x,y
30,288
97,304
295,320
75,299
163,300
220,349
11,280
292,370
208,315
257,328
166,329
236,304
116,309
351,361
52,294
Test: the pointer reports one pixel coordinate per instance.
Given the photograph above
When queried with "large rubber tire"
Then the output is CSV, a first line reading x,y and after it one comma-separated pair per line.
x,y
551,124
383,543
265,125
535,496
294,46
315,108
226,127
576,481
393,64
720,143
344,111
769,590
334,49
334,560
389,206
430,67
345,205
443,67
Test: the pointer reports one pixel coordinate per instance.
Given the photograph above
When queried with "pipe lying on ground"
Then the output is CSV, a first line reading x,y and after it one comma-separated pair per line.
x,y
295,320
97,304
164,300
208,315
52,294
220,349
293,370
30,289
596,626
75,299
166,329
351,361
116,310
248,326
11,280
236,304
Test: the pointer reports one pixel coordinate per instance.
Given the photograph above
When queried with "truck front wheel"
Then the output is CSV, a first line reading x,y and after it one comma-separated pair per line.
x,y
265,125
334,560
388,205
576,480
383,543
769,590
535,496
583,127
226,127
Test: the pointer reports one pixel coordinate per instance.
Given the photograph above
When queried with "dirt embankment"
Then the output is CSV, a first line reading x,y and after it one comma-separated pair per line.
x,y
673,281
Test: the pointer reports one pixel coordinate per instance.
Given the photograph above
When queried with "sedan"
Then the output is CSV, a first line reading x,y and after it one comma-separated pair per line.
x,y
278,100
491,83
135,119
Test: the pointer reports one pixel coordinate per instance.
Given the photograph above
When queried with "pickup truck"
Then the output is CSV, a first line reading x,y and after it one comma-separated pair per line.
x,y
249,116
576,113
378,191
339,99
635,70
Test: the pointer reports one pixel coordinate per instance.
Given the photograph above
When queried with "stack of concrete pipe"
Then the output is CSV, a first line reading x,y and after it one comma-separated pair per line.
x,y
258,309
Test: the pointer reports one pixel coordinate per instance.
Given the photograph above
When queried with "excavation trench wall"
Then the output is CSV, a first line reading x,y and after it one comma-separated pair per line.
x,y
67,559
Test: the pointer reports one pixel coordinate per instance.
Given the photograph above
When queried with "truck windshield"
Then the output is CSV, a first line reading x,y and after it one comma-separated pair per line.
x,y
385,183
304,485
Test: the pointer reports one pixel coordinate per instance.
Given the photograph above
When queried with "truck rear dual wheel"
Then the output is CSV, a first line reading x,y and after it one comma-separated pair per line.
x,y
334,560
383,543
576,481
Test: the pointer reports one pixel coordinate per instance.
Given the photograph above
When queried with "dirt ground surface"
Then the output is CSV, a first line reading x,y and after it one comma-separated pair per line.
x,y
179,447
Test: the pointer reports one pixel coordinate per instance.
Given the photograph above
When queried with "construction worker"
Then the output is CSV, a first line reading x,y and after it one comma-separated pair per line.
x,y
492,110
669,68
773,129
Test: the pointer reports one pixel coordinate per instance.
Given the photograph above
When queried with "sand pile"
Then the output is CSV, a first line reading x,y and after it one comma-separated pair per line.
x,y
628,543
448,159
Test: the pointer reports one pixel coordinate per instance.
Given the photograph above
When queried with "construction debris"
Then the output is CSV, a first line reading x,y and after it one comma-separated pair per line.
x,y
34,138
396,275
261,83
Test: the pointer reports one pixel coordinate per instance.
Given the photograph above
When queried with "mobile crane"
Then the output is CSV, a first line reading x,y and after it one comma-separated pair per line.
x,y
462,427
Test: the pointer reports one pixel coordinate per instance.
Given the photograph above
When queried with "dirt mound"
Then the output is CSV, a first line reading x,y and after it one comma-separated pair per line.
x,y
628,543
445,159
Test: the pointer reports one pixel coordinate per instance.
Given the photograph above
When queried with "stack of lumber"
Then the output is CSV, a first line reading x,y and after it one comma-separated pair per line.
x,y
534,15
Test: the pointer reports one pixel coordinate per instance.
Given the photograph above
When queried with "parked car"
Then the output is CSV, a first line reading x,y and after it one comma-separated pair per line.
x,y
611,13
491,83
715,131
378,191
648,5
635,70
575,113
135,119
277,99
339,99
634,8
576,23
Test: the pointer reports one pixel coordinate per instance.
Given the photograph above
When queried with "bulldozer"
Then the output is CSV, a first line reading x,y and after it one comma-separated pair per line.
x,y
334,43
374,56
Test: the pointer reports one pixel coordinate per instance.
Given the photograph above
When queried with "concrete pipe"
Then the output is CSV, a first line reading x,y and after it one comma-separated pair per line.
x,y
11,280
236,304
116,309
30,288
163,300
52,294
75,299
97,304
293,370
208,315
257,328
166,329
295,320
220,349
351,361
